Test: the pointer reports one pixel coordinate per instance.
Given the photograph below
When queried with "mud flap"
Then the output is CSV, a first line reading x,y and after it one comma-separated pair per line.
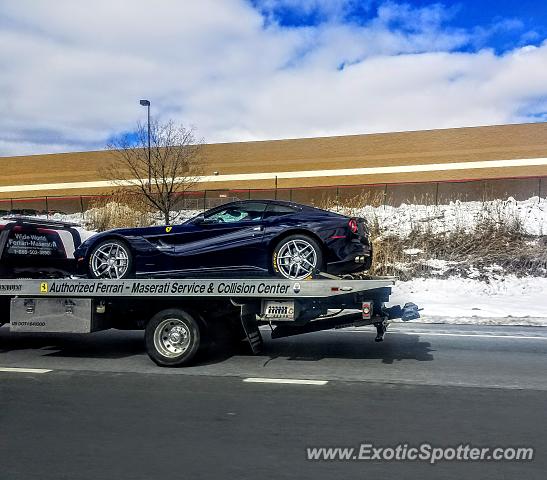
x,y
381,328
250,327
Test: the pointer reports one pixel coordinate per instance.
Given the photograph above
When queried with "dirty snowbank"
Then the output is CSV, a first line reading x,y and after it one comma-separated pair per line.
x,y
502,301
402,220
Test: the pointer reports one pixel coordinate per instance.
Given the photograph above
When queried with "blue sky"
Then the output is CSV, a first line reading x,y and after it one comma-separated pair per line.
x,y
506,23
241,70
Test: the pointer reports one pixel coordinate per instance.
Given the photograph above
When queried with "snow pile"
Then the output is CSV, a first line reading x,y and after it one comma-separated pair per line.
x,y
508,300
64,217
81,219
402,220
465,239
531,214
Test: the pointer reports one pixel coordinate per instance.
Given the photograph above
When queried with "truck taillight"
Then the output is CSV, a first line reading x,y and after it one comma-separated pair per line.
x,y
353,227
367,310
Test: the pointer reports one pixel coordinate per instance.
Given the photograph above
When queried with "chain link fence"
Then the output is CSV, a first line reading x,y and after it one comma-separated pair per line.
x,y
429,193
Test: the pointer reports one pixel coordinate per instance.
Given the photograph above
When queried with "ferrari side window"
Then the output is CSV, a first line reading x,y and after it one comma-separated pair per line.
x,y
275,210
248,212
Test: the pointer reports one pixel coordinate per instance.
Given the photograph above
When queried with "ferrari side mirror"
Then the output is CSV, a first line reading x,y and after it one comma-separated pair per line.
x,y
199,220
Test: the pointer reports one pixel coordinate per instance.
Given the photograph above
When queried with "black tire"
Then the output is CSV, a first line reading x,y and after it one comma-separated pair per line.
x,y
122,245
157,338
277,268
368,263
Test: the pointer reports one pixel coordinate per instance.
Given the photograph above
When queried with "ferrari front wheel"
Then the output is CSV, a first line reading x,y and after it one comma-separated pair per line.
x,y
297,257
110,259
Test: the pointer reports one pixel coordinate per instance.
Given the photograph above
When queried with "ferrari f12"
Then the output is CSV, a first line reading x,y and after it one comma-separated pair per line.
x,y
262,237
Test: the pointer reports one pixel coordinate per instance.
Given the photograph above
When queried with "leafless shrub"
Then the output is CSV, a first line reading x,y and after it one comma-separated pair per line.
x,y
495,242
349,205
164,172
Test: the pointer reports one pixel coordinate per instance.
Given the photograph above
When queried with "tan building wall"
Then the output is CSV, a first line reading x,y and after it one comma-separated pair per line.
x,y
39,173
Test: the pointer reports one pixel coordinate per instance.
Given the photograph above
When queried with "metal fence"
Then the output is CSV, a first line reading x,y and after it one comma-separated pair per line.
x,y
427,193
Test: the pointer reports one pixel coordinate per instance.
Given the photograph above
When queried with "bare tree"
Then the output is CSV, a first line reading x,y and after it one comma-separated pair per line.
x,y
162,174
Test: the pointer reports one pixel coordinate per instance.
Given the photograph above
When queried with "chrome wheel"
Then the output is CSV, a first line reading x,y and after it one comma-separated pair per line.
x,y
172,338
296,259
110,260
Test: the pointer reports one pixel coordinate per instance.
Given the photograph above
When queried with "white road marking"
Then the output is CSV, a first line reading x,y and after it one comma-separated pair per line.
x,y
438,334
427,167
292,381
479,335
24,370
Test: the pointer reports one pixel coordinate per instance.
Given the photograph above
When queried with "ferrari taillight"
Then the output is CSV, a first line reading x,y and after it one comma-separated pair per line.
x,y
353,227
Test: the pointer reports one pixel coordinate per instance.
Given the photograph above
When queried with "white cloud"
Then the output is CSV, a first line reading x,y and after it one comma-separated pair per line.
x,y
73,72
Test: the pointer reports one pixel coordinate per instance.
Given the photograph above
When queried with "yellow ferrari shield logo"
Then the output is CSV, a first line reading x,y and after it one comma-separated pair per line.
x,y
168,229
43,287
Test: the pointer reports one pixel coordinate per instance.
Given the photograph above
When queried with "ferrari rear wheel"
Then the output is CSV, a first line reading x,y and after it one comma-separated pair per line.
x,y
110,259
297,257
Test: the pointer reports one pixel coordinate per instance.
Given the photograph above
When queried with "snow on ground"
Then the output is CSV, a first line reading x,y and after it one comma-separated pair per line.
x,y
456,215
504,301
64,217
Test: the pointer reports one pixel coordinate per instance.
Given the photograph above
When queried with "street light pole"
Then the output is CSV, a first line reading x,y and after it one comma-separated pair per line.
x,y
146,103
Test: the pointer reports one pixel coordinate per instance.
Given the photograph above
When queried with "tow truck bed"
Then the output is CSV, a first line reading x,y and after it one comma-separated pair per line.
x,y
180,315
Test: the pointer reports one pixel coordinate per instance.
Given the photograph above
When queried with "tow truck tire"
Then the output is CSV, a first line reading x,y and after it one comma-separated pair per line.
x,y
172,338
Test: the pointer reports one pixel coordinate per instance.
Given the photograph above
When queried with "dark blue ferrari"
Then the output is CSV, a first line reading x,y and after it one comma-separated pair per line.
x,y
263,237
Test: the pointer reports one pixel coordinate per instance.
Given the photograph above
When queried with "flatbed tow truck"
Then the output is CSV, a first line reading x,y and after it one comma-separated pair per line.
x,y
180,316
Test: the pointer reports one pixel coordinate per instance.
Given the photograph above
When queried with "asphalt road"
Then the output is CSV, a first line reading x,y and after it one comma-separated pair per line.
x,y
105,411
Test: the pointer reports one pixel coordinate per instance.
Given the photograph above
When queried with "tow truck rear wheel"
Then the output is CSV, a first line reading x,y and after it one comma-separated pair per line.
x,y
172,337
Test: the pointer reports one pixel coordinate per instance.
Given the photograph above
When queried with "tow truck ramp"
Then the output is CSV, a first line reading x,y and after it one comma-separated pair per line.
x,y
181,315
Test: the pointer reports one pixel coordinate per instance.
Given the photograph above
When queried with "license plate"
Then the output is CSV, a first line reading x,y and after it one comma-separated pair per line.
x,y
278,309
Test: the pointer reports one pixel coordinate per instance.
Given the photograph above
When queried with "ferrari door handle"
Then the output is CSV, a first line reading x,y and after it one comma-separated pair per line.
x,y
258,229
